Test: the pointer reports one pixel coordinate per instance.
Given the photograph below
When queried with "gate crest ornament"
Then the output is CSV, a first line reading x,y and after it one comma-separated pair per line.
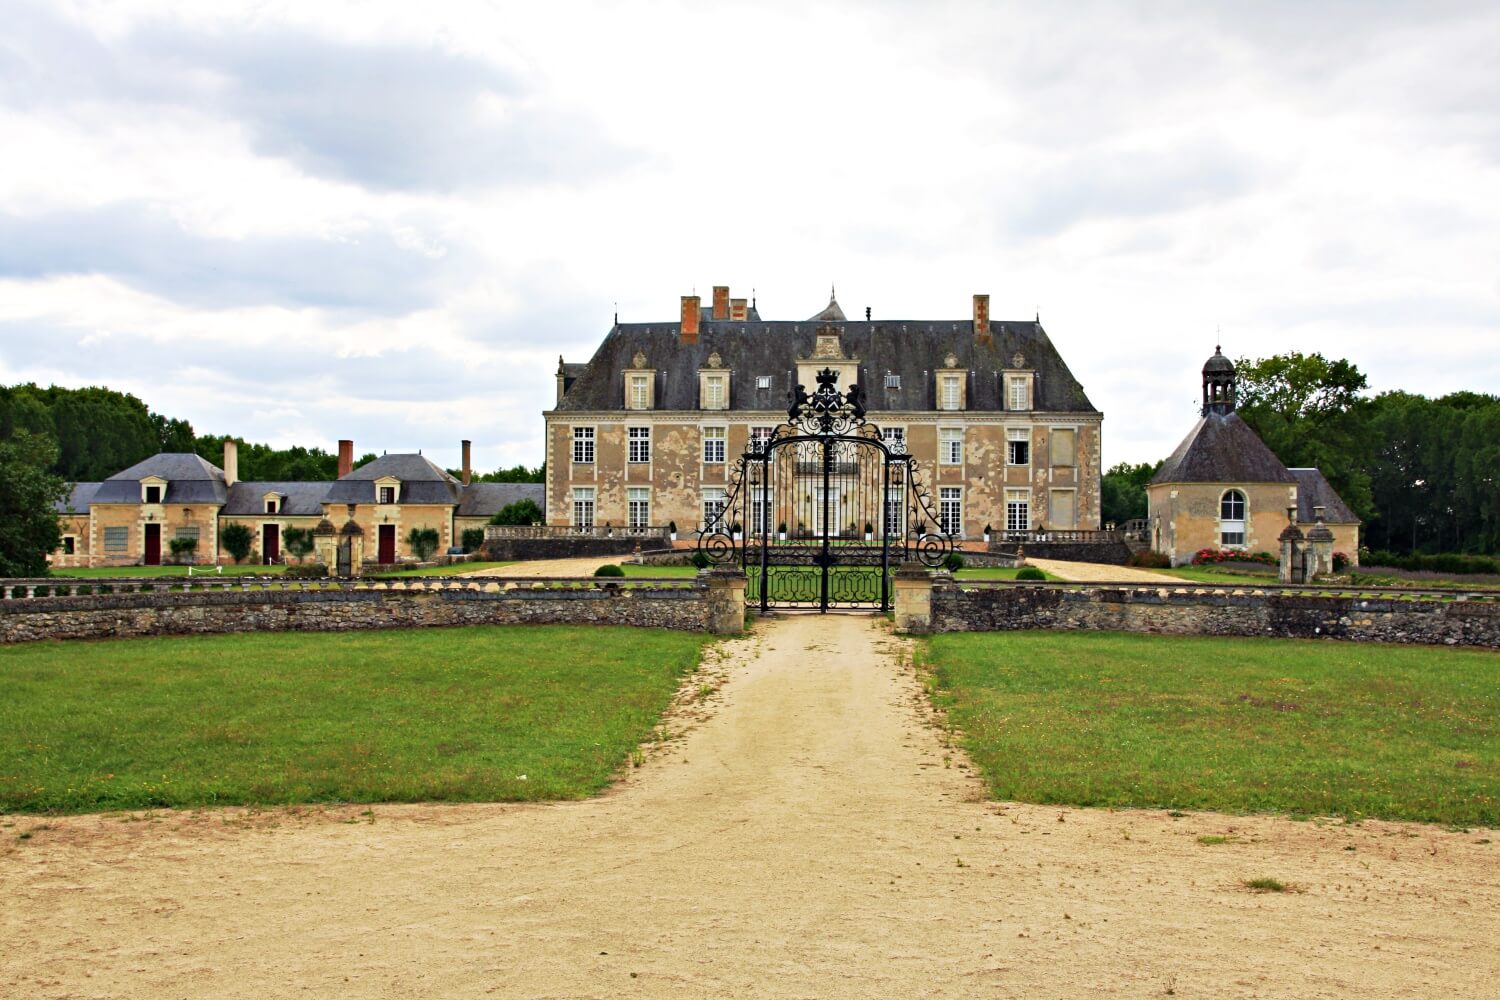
x,y
821,511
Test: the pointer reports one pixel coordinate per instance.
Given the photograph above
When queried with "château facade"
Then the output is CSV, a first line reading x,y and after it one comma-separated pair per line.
x,y
647,431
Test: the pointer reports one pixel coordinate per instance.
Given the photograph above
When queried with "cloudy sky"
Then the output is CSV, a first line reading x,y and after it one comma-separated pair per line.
x,y
301,221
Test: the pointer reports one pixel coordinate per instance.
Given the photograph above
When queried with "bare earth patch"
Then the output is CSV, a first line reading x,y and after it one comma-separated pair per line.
x,y
805,832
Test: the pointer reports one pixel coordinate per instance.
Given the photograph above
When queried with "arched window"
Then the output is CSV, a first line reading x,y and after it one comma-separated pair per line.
x,y
1232,519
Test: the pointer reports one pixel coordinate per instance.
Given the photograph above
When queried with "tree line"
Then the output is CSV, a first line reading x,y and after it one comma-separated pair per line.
x,y
1423,474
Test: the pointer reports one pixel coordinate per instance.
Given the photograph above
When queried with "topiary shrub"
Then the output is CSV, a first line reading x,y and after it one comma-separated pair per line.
x,y
1147,559
609,569
699,559
1030,573
472,539
954,562
306,571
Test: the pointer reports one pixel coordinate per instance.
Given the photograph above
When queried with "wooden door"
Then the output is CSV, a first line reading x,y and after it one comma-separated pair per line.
x,y
270,543
387,553
153,545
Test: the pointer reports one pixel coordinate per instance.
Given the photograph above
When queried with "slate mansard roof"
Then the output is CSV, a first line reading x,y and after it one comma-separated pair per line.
x,y
190,479
299,498
1221,448
421,481
910,349
78,499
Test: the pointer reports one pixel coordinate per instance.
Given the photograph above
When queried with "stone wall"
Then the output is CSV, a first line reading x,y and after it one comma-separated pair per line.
x,y
697,605
520,549
1214,611
1114,553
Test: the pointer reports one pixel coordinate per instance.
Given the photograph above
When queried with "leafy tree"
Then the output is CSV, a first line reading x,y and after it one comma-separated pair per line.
x,y
514,474
1123,491
298,541
422,541
473,539
521,512
236,539
28,491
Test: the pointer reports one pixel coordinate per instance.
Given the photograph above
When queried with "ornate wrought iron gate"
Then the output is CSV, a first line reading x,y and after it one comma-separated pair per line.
x,y
821,512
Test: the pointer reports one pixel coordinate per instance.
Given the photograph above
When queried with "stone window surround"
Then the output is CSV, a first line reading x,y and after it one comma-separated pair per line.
x,y
1051,506
153,483
945,455
1013,437
1230,523
710,375
585,441
721,438
638,445
1051,452
649,374
960,383
952,495
1010,378
1021,496
387,483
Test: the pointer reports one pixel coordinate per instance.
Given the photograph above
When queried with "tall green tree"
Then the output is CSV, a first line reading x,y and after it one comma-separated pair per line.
x,y
1123,491
28,490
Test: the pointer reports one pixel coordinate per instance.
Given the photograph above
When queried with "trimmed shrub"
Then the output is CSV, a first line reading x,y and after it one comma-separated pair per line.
x,y
1443,562
298,541
472,539
1030,573
306,571
1340,561
699,559
954,562
609,569
1148,559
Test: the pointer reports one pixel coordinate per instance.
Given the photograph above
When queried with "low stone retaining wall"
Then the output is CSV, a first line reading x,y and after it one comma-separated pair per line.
x,y
1113,553
1300,613
523,549
114,608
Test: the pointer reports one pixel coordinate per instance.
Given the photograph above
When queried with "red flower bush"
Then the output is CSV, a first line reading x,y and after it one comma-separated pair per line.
x,y
1209,557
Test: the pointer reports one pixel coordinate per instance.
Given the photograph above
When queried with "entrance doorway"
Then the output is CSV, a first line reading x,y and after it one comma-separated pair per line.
x,y
387,550
153,545
270,544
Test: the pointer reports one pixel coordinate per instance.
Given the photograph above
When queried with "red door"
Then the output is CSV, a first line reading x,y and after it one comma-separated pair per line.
x,y
387,544
153,545
270,543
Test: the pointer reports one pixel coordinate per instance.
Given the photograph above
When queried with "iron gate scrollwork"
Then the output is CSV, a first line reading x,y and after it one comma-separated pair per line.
x,y
822,511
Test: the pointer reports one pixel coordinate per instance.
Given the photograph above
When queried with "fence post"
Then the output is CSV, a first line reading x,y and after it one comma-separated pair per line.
x,y
913,598
726,599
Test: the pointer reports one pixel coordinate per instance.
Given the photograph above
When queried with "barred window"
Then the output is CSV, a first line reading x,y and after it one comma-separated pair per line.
x,y
116,539
892,381
189,531
640,444
762,381
583,445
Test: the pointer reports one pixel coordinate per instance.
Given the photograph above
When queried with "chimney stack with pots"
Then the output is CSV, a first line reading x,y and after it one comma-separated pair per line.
x,y
721,302
737,310
231,461
982,319
467,473
346,458
690,317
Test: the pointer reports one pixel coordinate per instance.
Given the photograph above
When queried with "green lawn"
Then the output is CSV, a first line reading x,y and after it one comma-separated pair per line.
x,y
1239,725
458,714
1208,574
228,569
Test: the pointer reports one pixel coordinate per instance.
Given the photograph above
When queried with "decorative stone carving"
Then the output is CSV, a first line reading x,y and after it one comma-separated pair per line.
x,y
714,361
951,361
1018,360
639,361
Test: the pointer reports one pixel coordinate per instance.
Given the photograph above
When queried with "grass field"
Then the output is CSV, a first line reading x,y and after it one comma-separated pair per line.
x,y
459,714
455,570
1239,725
1208,574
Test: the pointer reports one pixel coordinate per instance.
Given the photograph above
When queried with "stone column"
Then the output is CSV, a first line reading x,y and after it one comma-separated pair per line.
x,y
1319,547
354,535
913,598
726,599
326,545
1292,547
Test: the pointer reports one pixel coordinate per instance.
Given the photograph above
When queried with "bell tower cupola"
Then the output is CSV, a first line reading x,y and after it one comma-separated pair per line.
x,y
1218,384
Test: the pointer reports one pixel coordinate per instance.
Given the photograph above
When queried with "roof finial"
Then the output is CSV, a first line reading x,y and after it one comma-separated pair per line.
x,y
617,314
831,294
752,296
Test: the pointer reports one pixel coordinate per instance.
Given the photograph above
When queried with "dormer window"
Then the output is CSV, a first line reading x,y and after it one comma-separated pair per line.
x,y
387,494
713,392
950,395
1018,392
892,381
153,494
640,392
270,506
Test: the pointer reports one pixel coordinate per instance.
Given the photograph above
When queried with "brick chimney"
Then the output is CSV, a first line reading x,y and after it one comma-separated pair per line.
x,y
982,319
346,458
689,332
721,302
231,461
467,473
738,311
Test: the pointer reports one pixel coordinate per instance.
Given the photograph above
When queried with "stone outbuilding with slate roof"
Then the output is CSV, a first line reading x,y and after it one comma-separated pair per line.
x,y
648,430
1222,488
132,517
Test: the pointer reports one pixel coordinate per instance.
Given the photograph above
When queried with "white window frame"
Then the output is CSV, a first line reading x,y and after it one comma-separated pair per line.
x,y
715,436
1230,526
950,392
715,500
638,447
638,507
584,440
762,381
584,507
1013,437
385,494
895,513
760,438
1017,393
715,392
760,511
950,445
640,392
951,510
1017,510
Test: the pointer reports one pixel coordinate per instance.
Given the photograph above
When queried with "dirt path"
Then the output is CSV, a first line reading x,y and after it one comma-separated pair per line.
x,y
1082,572
808,839
550,567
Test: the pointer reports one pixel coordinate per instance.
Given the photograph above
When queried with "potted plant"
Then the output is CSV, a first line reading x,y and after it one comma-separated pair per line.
x,y
781,532
734,530
672,530
869,532
801,529
986,534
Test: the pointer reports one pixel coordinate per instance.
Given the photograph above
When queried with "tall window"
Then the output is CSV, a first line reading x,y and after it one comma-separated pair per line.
x,y
713,392
950,510
713,444
760,512
583,445
951,445
1020,393
583,506
949,398
713,507
895,514
1018,446
640,444
1017,510
69,545
895,439
1232,518
760,439
640,392
639,512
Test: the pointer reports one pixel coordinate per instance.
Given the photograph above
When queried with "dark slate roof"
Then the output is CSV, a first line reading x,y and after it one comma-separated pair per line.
x,y
1313,490
190,479
486,499
831,312
78,499
908,348
1221,448
1218,364
300,498
421,481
